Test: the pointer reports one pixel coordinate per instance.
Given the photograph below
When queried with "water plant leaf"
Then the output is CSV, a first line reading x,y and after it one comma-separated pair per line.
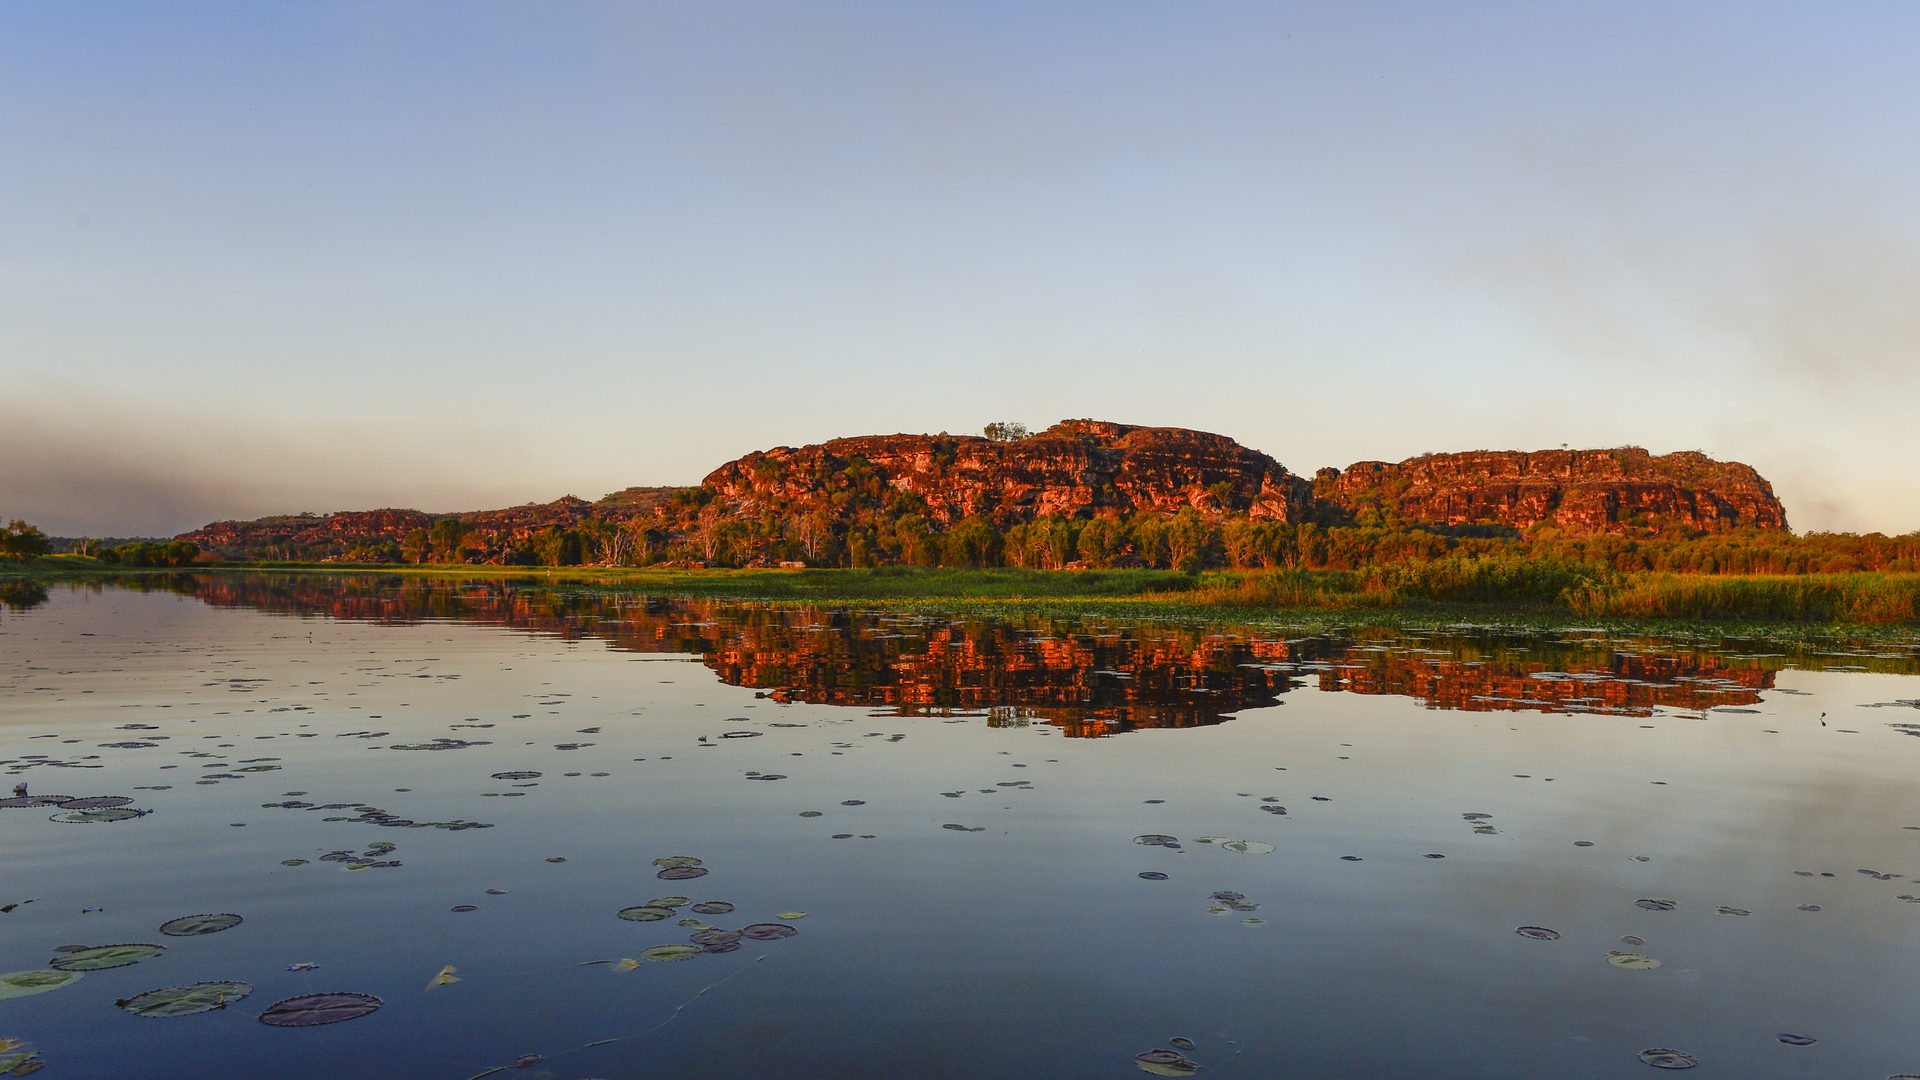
x,y
712,907
1179,1043
1164,1063
648,913
1156,840
1796,1040
444,977
1152,875
673,861
1248,847
314,1010
523,775
1631,961
102,957
186,1000
196,925
1734,911
670,901
1662,1058
714,937
791,915
89,817
1538,933
670,953
681,873
767,931
96,802
27,983
1656,903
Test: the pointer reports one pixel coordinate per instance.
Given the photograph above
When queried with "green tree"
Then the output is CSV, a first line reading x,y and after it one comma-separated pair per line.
x,y
445,540
1188,536
21,542
1005,431
416,546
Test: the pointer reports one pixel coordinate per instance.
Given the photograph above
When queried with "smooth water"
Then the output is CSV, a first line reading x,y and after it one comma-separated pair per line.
x,y
971,884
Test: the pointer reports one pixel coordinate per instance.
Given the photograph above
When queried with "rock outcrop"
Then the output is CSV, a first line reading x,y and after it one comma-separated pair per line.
x,y
1077,468
1579,492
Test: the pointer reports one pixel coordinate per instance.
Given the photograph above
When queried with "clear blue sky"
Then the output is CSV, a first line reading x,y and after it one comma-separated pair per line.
x,y
263,258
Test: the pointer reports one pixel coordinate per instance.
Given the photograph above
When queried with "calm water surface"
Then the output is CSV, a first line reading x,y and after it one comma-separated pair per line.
x,y
957,812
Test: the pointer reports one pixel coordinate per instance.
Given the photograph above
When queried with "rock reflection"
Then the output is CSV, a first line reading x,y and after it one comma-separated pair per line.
x,y
1088,676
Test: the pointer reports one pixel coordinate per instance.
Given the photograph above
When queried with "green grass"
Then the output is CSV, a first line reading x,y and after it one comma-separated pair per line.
x,y
1508,591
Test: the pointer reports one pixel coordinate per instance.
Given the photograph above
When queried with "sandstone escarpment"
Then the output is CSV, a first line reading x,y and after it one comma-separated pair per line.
x,y
1077,468
1579,492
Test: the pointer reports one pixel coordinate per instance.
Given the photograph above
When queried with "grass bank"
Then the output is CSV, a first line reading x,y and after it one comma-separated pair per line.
x,y
1511,590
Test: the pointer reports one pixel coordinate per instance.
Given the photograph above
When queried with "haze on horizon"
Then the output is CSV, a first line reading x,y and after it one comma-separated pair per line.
x,y
323,256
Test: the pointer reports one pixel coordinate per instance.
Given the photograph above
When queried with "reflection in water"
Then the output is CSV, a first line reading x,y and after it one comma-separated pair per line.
x,y
22,595
1088,676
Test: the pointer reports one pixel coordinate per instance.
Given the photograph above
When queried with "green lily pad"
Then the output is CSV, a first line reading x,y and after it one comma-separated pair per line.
x,y
1662,1058
670,901
677,860
195,925
647,913
668,953
1164,1063
1734,911
1248,847
1631,960
186,1000
27,983
105,956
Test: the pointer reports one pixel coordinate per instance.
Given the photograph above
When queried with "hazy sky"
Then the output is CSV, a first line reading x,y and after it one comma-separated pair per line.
x,y
263,258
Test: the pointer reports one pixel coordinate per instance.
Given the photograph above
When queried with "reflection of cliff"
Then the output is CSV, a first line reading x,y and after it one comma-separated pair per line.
x,y
1087,677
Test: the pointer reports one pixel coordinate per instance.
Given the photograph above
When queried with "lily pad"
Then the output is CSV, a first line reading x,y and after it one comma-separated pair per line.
x,y
673,861
195,925
313,1010
1734,911
1157,840
810,813
95,802
1538,933
669,953
1179,1043
670,901
712,907
186,1000
767,931
681,873
714,937
791,915
1631,960
1152,875
725,946
102,957
516,775
89,817
1662,1058
1164,1063
645,914
1248,847
1796,1040
1656,903
27,983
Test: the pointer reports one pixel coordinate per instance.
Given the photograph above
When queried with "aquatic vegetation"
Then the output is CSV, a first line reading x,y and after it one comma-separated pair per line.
x,y
196,925
186,1000
315,1010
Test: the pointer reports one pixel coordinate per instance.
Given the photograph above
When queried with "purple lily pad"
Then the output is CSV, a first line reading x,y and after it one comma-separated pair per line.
x,y
681,873
712,907
767,931
313,1010
715,937
1538,933
725,946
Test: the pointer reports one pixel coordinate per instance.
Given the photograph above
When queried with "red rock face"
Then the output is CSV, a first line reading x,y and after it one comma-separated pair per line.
x,y
1581,492
1077,468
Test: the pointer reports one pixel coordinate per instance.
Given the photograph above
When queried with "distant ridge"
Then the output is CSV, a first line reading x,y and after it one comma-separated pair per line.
x,y
1078,470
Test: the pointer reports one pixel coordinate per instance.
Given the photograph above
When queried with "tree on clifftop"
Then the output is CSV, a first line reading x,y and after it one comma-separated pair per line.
x,y
1006,431
21,542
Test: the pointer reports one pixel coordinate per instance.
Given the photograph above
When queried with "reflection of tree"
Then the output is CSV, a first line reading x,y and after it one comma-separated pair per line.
x,y
1087,676
22,595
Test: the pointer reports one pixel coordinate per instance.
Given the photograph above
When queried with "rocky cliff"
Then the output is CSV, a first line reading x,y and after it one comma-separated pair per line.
x,y
1579,492
1077,468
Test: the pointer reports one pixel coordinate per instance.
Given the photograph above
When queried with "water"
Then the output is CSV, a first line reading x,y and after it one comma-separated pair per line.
x,y
1024,942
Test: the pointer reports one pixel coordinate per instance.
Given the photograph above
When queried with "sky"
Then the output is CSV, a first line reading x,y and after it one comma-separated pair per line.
x,y
275,258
